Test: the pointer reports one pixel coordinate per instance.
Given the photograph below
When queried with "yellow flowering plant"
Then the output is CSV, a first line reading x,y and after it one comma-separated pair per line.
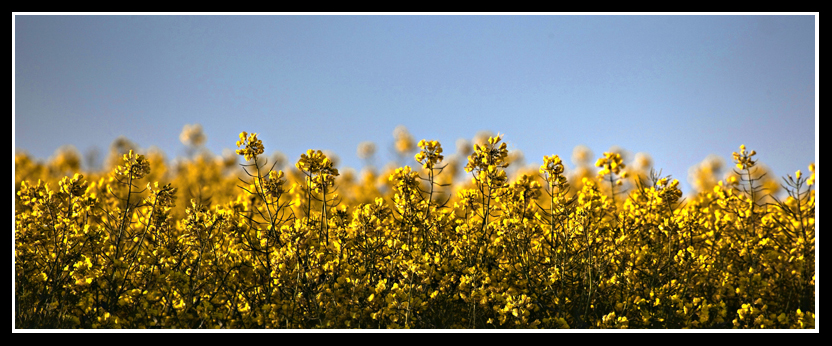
x,y
186,249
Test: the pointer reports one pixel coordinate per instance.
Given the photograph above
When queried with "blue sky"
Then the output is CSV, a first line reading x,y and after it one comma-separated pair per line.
x,y
679,87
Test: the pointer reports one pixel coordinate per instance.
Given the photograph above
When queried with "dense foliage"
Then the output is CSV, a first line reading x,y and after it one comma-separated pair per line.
x,y
309,247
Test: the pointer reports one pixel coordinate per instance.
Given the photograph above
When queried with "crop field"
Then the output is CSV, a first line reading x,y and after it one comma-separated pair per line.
x,y
432,244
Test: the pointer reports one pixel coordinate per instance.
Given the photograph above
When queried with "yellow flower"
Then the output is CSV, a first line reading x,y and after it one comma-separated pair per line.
x,y
135,166
251,146
743,158
610,163
430,154
811,180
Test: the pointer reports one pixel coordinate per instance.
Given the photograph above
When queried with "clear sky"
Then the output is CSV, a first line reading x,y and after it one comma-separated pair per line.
x,y
679,87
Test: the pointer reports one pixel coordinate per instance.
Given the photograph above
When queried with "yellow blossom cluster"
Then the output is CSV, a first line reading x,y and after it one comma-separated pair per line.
x,y
251,146
743,158
430,155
